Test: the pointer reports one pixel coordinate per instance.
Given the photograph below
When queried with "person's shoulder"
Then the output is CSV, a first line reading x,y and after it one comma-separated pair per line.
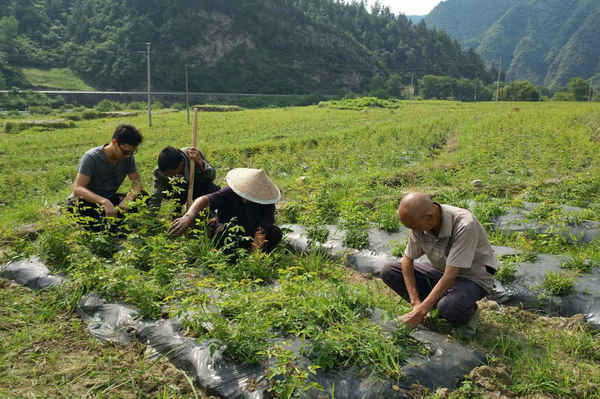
x,y
461,214
95,151
93,154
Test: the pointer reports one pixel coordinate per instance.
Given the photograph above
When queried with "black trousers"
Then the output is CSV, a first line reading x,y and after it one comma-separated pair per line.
x,y
457,305
273,236
93,217
180,194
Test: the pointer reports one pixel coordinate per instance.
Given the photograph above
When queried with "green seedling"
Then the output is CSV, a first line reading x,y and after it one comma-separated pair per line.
x,y
559,284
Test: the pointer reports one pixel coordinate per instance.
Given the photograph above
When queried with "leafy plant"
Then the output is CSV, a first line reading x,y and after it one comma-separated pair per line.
x,y
559,283
354,222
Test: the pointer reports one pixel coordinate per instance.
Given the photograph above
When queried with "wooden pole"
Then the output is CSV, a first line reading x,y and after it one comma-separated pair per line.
x,y
190,196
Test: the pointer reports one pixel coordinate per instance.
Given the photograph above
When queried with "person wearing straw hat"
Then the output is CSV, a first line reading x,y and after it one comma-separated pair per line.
x,y
247,201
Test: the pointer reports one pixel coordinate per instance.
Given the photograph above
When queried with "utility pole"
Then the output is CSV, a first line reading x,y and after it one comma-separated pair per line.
x,y
475,90
187,94
149,95
412,87
591,90
498,81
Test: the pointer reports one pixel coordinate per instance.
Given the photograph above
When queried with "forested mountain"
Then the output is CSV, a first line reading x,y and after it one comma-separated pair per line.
x,y
546,42
269,46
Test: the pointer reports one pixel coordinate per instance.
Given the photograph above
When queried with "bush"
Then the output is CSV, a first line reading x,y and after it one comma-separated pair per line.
x,y
15,127
39,109
107,106
157,105
90,114
73,116
137,105
178,106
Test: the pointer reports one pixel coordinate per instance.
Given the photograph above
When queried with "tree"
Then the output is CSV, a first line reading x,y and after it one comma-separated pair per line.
x,y
9,27
520,90
579,88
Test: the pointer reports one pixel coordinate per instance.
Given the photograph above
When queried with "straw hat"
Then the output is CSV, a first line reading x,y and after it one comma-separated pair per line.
x,y
253,185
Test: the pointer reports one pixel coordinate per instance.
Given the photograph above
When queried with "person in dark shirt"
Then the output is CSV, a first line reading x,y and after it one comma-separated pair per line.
x,y
173,163
100,173
248,201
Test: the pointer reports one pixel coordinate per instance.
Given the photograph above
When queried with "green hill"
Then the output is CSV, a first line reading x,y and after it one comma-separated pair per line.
x,y
269,46
544,41
55,78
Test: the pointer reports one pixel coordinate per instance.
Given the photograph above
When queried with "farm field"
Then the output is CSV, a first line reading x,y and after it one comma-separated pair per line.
x,y
341,163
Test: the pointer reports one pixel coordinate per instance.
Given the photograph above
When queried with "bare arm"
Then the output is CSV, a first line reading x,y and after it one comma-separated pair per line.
x,y
408,272
136,179
80,190
180,225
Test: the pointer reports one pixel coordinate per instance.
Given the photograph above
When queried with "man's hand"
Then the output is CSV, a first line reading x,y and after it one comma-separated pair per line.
x,y
109,208
180,225
194,154
414,317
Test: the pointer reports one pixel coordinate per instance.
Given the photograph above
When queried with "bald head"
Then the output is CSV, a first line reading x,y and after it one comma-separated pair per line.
x,y
417,209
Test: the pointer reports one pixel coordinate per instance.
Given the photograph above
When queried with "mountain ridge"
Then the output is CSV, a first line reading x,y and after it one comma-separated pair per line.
x,y
547,42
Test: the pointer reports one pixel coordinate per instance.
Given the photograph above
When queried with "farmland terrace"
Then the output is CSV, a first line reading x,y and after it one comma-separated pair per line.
x,y
297,318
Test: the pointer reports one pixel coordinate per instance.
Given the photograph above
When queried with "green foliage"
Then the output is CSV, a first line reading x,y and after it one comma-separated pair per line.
x,y
450,88
506,272
90,114
579,88
55,78
544,43
355,223
360,103
17,126
387,218
398,248
520,90
559,283
296,47
288,379
107,106
137,105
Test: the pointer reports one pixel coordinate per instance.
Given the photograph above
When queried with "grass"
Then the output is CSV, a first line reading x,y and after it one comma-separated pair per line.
x,y
55,78
334,166
45,351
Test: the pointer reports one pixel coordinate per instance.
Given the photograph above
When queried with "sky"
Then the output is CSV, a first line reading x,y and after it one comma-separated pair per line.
x,y
409,7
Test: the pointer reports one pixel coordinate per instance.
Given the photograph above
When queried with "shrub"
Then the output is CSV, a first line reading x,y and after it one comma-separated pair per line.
x,y
107,106
559,284
178,106
73,116
354,218
39,109
137,105
17,126
90,114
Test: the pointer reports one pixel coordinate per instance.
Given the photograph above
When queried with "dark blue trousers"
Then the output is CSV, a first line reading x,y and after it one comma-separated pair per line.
x,y
457,306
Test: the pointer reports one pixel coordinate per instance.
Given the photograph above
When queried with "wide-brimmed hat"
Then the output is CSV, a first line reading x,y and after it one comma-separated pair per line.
x,y
253,185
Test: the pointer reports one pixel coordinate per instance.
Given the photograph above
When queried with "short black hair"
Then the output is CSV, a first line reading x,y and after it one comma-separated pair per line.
x,y
169,159
127,134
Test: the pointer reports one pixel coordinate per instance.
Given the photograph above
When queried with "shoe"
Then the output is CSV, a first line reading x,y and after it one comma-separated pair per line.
x,y
468,330
499,294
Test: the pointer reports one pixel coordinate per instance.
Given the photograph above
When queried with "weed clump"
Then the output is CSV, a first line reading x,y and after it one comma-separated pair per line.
x,y
355,224
559,284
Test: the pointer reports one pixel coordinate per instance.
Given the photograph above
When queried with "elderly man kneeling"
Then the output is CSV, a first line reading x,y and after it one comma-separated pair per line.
x,y
462,266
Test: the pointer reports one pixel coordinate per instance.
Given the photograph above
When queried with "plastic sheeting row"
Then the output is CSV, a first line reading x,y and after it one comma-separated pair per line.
x,y
446,362
584,298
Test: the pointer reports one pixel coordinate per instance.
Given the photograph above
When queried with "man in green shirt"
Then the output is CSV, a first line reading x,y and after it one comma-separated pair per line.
x,y
172,176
